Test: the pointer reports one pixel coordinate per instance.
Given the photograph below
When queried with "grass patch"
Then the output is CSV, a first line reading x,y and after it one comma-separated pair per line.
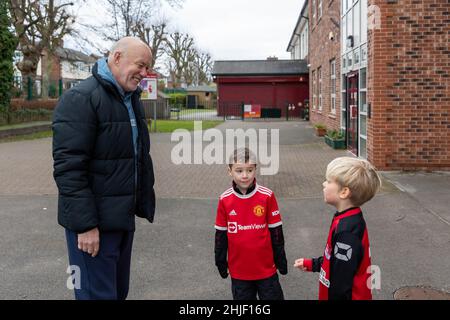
x,y
31,136
161,126
171,125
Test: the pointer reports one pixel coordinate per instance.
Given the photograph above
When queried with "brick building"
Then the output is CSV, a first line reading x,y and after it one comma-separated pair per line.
x,y
408,81
379,71
273,84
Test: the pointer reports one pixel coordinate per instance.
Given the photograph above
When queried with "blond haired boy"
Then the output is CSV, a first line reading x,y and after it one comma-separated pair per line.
x,y
345,266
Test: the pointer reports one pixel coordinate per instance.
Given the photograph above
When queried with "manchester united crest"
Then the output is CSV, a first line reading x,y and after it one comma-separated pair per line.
x,y
258,211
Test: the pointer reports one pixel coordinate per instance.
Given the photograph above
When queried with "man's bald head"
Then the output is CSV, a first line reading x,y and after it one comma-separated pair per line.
x,y
129,61
127,44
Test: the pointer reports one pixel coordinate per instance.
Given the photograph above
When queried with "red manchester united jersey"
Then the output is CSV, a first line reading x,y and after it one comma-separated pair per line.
x,y
247,218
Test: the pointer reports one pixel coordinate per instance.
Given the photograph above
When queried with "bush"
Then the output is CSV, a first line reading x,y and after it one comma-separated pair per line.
x,y
335,135
177,99
48,104
320,126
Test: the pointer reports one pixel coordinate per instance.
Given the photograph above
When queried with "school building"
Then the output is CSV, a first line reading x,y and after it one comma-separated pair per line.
x,y
379,71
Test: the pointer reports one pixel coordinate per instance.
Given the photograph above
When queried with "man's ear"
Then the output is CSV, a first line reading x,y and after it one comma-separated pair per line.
x,y
116,57
229,171
345,193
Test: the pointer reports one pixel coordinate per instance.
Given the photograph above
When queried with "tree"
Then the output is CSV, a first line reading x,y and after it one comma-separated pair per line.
x,y
154,36
203,66
181,52
39,24
8,44
137,18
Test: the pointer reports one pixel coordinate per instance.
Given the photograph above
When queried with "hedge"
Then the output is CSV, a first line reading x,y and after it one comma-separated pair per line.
x,y
48,104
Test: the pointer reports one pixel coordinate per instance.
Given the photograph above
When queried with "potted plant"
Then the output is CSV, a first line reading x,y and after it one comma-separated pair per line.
x,y
321,129
335,139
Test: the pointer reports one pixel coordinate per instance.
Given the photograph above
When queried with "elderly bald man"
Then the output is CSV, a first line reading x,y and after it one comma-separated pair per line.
x,y
103,170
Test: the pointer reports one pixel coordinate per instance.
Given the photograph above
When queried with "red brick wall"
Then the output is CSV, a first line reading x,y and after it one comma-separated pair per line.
x,y
408,86
321,51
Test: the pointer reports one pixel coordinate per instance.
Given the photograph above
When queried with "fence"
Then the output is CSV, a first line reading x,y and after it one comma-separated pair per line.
x,y
31,90
236,110
158,109
202,110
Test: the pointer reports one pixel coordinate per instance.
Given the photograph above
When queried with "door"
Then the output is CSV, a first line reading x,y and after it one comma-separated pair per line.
x,y
352,113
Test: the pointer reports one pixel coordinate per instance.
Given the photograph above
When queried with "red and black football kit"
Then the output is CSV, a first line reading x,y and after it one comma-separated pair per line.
x,y
345,266
249,231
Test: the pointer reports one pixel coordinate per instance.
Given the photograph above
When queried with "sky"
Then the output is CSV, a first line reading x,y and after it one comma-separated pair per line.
x,y
227,29
239,29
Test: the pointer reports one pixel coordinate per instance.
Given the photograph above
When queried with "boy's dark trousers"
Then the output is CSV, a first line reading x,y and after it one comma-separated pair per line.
x,y
265,289
107,275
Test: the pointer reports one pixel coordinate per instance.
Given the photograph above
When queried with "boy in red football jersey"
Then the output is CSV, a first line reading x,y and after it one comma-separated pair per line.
x,y
345,265
248,230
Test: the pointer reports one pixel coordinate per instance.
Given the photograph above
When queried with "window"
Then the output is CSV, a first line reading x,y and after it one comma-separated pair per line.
x,y
363,53
314,90
363,112
356,56
313,8
356,25
302,49
319,9
363,21
306,39
344,34
319,74
350,25
343,102
333,85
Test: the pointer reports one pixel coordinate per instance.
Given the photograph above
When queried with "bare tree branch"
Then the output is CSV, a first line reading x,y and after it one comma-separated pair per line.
x,y
38,25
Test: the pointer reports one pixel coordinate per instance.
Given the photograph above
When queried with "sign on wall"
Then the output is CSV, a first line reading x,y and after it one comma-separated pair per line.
x,y
252,111
149,86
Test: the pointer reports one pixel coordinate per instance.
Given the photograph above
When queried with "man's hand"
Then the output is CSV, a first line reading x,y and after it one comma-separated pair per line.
x,y
299,264
89,242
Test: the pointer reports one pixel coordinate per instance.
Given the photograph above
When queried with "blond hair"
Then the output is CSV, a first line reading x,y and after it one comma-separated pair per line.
x,y
358,175
242,155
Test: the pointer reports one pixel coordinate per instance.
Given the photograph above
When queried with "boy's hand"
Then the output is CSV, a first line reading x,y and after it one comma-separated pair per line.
x,y
223,272
299,263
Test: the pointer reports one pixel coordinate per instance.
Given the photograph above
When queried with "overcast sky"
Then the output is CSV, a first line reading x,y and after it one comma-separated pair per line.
x,y
239,29
227,29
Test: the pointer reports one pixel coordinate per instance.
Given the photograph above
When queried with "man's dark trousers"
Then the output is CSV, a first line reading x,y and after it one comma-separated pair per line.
x,y
107,275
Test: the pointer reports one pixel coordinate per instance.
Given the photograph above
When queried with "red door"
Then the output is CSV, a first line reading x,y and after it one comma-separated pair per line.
x,y
352,113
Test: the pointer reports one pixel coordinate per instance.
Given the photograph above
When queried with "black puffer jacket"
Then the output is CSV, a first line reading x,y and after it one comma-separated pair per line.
x,y
94,159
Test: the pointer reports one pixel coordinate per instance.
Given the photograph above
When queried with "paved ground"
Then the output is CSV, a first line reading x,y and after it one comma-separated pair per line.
x,y
408,223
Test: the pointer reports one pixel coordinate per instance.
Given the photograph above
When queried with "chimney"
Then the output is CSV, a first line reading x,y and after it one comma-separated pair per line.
x,y
272,58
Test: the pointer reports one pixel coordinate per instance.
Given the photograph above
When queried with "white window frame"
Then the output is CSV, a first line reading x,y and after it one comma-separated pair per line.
x,y
343,102
319,9
333,86
361,112
314,89
313,11
319,75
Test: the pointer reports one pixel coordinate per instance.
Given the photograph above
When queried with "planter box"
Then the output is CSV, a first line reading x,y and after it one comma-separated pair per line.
x,y
320,132
335,144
